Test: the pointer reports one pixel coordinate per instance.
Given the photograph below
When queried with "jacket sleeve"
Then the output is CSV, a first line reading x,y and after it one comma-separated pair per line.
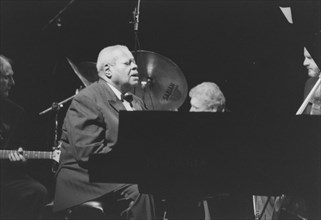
x,y
85,127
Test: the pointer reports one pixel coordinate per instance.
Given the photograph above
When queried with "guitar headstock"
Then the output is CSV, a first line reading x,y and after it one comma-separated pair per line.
x,y
56,155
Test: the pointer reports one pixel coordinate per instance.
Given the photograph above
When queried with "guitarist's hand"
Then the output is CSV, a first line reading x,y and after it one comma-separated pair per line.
x,y
17,156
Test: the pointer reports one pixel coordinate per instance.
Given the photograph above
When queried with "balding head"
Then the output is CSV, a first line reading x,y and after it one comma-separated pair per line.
x,y
6,76
310,64
108,55
116,65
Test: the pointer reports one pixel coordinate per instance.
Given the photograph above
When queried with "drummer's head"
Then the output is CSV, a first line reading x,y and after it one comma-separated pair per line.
x,y
207,97
309,63
117,66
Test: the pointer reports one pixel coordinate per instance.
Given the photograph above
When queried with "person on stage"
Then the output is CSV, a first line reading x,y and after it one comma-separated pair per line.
x,y
22,197
91,127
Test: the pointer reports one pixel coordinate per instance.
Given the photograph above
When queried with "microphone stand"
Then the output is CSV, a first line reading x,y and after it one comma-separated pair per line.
x,y
135,23
57,17
55,107
144,84
60,104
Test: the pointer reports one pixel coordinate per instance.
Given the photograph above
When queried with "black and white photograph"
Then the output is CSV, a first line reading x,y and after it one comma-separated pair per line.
x,y
160,109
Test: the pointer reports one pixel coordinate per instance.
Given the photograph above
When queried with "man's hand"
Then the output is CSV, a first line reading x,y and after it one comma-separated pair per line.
x,y
17,156
131,192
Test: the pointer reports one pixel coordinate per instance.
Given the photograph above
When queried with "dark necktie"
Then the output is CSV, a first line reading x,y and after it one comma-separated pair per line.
x,y
128,97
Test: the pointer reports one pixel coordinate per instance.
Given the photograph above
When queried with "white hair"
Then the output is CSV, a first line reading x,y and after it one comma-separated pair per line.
x,y
210,93
107,56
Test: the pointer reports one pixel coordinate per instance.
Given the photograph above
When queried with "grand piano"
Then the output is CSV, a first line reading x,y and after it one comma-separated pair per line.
x,y
167,153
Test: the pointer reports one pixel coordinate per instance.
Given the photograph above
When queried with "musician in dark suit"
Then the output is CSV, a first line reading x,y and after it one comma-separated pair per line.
x,y
91,127
21,196
309,205
305,206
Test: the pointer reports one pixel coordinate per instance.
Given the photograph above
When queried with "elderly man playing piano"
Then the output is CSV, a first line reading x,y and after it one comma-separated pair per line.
x,y
91,127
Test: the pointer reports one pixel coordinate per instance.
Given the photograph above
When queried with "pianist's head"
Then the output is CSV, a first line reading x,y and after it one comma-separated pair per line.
x,y
117,66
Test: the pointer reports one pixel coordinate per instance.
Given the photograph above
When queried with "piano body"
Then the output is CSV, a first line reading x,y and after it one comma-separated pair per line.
x,y
167,153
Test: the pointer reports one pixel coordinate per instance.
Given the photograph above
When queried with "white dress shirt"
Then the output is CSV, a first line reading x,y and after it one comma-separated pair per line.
x,y
118,94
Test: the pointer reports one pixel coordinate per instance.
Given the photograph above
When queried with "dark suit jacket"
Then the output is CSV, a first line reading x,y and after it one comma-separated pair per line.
x,y
308,86
90,127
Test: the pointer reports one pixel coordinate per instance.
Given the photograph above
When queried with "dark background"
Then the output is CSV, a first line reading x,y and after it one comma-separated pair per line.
x,y
247,47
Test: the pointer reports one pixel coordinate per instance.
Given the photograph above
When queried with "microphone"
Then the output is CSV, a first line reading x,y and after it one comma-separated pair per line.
x,y
136,16
145,83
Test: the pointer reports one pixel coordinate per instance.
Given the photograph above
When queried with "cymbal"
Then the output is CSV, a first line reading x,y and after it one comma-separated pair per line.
x,y
86,71
162,84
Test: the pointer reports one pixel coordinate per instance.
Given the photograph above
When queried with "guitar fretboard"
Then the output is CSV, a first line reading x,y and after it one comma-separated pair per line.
x,y
4,154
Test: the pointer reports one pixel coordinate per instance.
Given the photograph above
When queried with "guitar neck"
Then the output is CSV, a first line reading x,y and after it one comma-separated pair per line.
x,y
4,154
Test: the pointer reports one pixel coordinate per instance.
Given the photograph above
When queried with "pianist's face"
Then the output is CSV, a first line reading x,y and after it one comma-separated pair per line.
x,y
124,74
313,69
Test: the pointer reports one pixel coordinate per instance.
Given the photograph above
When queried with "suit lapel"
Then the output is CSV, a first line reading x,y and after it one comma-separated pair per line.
x,y
110,97
114,102
117,104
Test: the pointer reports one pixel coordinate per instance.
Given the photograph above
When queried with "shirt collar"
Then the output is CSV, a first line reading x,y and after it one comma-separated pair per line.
x,y
116,91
